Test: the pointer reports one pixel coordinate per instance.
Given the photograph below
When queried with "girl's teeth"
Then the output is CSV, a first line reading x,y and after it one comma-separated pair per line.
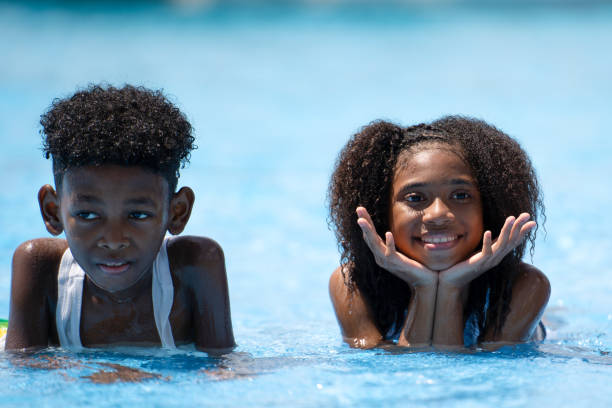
x,y
439,240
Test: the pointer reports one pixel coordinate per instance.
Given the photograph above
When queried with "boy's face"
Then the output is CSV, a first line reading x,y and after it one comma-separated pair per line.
x,y
115,219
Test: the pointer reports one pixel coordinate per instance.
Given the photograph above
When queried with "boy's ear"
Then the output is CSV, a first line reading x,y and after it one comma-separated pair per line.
x,y
180,210
49,203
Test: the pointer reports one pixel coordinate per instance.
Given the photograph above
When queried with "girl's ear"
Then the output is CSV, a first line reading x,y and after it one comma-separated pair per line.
x,y
180,210
49,203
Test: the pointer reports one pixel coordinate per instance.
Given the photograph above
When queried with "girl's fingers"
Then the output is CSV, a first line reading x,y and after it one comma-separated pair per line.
x,y
527,227
487,249
364,220
370,236
384,252
363,213
390,242
505,233
517,228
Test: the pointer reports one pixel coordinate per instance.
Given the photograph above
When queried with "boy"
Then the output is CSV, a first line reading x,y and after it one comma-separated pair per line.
x,y
115,280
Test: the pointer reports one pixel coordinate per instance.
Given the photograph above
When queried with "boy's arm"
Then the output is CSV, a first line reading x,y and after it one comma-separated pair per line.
x,y
354,317
203,267
530,293
33,287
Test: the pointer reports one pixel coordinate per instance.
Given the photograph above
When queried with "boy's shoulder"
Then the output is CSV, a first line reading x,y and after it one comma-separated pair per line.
x,y
197,265
189,253
40,255
34,274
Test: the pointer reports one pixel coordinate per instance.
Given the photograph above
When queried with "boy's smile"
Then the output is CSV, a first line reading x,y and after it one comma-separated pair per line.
x,y
436,211
115,219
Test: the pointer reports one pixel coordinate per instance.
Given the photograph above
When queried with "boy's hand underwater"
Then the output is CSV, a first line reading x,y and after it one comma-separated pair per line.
x,y
417,275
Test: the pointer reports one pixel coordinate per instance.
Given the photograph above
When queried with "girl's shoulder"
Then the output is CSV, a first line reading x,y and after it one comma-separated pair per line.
x,y
352,311
530,293
531,283
343,296
338,289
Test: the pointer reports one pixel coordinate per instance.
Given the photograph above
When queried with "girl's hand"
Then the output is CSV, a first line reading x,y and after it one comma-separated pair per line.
x,y
512,234
387,257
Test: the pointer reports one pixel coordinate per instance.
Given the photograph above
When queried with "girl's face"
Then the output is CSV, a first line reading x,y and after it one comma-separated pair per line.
x,y
436,212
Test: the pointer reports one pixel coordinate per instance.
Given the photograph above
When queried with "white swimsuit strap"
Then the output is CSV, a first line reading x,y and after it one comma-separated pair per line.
x,y
69,299
163,296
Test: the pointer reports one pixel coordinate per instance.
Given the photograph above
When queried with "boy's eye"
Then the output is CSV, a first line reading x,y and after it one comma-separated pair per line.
x,y
136,215
461,195
87,215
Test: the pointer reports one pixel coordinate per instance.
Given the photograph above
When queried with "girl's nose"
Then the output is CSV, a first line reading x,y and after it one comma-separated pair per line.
x,y
438,213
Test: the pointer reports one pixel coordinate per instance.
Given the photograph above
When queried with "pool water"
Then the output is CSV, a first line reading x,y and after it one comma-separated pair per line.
x,y
274,91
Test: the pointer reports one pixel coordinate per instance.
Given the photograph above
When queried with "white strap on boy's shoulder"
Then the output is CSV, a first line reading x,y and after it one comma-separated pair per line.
x,y
69,299
163,296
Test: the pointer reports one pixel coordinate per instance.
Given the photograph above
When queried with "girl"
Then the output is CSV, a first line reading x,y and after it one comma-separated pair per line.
x,y
420,265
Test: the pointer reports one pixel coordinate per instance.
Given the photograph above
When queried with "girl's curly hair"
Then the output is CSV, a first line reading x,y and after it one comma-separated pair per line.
x,y
363,177
127,126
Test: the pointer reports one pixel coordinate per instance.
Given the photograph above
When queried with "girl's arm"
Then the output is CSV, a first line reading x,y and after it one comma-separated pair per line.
x,y
530,294
357,324
418,328
353,314
454,282
360,330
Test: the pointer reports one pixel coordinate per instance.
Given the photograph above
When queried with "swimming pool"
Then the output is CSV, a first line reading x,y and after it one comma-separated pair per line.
x,y
273,93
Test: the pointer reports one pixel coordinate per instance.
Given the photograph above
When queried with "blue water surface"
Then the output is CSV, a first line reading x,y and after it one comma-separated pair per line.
x,y
274,91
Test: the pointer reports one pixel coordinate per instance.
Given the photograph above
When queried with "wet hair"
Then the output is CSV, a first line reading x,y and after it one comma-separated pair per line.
x,y
129,126
363,176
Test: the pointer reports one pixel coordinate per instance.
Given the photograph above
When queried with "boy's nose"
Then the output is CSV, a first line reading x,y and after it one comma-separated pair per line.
x,y
114,239
114,245
438,213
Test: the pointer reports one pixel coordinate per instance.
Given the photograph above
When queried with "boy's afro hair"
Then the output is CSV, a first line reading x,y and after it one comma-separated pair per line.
x,y
125,126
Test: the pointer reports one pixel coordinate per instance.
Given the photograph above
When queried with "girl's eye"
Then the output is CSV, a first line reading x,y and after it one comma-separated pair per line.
x,y
414,198
136,215
87,215
461,195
